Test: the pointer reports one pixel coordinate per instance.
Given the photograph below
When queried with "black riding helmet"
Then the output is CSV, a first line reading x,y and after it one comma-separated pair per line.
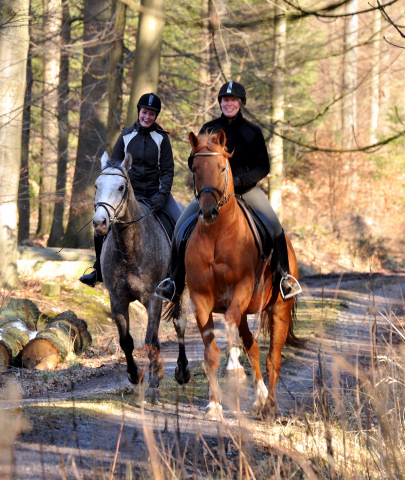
x,y
234,89
151,101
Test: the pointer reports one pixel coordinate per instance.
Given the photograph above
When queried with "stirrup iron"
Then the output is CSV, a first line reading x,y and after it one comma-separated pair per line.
x,y
295,283
165,283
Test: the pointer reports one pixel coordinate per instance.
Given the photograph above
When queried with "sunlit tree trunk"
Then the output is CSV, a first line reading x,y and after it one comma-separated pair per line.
x,y
50,129
204,87
349,105
375,77
145,76
115,74
276,144
221,60
14,40
93,123
63,140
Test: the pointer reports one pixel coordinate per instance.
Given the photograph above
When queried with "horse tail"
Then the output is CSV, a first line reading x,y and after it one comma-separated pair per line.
x,y
292,339
173,309
267,326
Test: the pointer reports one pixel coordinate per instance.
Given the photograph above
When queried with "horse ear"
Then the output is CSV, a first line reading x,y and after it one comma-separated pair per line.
x,y
104,159
127,162
193,139
221,138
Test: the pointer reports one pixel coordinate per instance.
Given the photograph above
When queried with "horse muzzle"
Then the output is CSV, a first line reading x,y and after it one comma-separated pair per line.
x,y
101,223
208,216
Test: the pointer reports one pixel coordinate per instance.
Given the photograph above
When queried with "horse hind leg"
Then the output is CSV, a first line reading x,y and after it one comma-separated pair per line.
x,y
152,344
253,353
182,372
279,323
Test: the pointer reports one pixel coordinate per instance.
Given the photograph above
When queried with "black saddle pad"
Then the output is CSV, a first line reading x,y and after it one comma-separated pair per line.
x,y
261,227
166,221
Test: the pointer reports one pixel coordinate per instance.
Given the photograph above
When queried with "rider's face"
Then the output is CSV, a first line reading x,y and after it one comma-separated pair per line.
x,y
230,106
146,117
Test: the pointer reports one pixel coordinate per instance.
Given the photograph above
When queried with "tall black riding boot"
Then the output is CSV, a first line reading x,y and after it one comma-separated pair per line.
x,y
94,276
173,286
289,285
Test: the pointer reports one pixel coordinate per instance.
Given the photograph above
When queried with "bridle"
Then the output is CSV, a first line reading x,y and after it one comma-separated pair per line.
x,y
114,217
222,198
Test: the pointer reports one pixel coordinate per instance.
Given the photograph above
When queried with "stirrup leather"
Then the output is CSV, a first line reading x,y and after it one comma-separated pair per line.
x,y
163,284
295,283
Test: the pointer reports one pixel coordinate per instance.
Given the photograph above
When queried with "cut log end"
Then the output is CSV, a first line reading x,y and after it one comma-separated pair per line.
x,y
40,354
5,358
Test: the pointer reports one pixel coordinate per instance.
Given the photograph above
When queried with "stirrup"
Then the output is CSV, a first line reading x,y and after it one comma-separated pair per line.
x,y
295,287
164,285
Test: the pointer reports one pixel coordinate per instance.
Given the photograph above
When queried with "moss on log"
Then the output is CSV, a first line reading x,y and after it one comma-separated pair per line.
x,y
25,309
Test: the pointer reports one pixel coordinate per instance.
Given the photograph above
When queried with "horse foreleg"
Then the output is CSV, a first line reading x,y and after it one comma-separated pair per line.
x,y
152,344
279,332
182,373
211,365
121,318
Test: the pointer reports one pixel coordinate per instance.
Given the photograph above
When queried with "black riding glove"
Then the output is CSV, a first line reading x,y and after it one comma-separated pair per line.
x,y
158,201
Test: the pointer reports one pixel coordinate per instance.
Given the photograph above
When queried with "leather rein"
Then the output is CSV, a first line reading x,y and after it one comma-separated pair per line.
x,y
222,198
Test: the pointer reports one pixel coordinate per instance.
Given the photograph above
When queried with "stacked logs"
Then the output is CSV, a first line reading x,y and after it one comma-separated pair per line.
x,y
36,341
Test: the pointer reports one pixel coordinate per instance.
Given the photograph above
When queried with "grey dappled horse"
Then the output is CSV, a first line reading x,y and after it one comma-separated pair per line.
x,y
134,259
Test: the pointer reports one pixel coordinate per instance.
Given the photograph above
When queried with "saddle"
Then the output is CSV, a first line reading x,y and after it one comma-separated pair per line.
x,y
164,219
261,227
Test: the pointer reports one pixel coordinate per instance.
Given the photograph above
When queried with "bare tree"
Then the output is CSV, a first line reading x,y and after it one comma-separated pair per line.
x,y
13,58
93,122
145,75
50,129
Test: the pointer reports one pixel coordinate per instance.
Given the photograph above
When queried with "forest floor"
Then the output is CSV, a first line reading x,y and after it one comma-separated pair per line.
x,y
85,420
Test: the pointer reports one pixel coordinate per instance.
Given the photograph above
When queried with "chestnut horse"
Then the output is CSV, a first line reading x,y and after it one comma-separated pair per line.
x,y
225,274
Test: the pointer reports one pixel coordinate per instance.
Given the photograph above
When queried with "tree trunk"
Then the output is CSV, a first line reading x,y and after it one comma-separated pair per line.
x,y
115,75
50,129
220,40
93,123
204,89
24,212
277,144
63,141
375,77
14,40
145,76
349,104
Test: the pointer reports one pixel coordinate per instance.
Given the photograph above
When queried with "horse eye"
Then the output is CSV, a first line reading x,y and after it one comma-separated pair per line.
x,y
223,169
95,186
121,188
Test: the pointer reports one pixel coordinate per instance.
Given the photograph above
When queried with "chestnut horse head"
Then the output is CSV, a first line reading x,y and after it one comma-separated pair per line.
x,y
212,176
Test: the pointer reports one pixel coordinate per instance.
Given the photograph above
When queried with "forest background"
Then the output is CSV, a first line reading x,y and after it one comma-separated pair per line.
x,y
324,81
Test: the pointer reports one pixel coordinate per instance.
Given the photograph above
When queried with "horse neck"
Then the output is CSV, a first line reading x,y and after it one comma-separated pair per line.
x,y
129,237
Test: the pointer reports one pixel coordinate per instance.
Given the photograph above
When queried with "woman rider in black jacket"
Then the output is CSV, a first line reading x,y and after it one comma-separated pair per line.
x,y
249,163
152,170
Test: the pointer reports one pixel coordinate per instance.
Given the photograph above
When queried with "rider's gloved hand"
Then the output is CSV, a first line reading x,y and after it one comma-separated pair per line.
x,y
157,202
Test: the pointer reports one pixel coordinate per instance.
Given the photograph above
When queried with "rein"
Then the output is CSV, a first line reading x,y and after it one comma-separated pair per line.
x,y
114,219
223,199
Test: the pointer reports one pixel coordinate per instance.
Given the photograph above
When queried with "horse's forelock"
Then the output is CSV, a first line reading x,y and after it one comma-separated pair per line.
x,y
209,140
112,164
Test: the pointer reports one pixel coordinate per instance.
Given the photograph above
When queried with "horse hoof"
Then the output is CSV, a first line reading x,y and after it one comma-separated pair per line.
x,y
268,413
182,376
152,394
213,412
153,382
136,378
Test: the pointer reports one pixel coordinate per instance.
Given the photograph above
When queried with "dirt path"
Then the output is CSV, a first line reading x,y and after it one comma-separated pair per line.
x,y
77,441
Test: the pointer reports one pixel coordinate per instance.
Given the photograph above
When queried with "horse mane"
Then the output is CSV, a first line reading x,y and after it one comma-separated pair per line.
x,y
209,140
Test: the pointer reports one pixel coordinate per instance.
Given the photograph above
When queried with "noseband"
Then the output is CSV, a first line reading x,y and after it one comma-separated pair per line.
x,y
223,199
116,211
